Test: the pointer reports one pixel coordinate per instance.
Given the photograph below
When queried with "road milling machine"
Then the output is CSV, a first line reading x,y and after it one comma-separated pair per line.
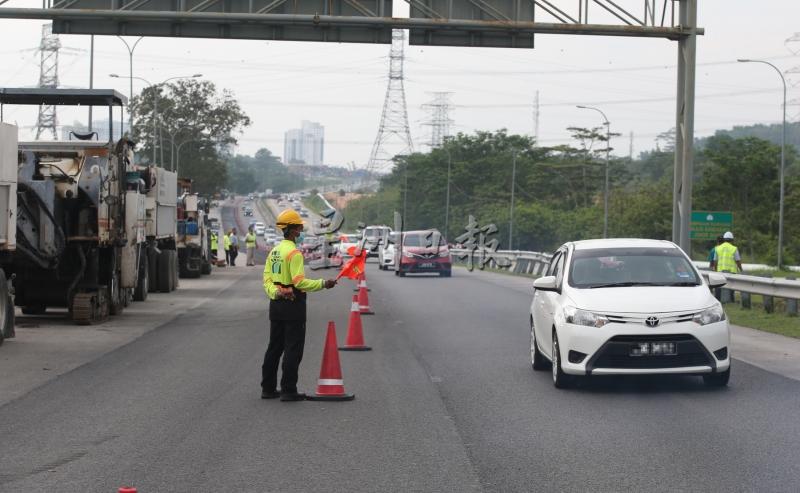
x,y
80,219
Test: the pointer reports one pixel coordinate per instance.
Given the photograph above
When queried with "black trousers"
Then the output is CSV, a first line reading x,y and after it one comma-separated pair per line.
x,y
286,337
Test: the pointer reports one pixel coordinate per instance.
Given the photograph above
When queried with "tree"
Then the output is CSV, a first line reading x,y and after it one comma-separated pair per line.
x,y
257,173
195,127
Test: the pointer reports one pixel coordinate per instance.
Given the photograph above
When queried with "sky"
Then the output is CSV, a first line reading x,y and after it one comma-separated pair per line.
x,y
342,86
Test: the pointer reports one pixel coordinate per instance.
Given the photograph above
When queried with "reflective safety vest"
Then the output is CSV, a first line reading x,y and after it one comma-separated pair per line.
x,y
226,241
213,241
250,240
284,269
726,258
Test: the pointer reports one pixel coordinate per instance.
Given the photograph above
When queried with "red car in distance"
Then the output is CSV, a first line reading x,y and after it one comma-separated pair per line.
x,y
423,251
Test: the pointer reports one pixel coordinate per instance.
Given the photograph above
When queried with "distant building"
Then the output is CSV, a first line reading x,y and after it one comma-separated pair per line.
x,y
99,126
304,145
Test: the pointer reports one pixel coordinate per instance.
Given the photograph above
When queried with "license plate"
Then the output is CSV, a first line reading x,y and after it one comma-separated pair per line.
x,y
427,265
654,349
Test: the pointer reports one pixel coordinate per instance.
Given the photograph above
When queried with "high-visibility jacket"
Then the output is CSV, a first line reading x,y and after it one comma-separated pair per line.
x,y
226,242
250,240
726,258
213,241
285,269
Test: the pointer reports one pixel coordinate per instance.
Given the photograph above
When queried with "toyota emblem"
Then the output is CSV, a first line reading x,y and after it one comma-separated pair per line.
x,y
651,321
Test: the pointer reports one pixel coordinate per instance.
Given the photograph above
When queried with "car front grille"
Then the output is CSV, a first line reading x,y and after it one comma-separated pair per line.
x,y
616,353
641,320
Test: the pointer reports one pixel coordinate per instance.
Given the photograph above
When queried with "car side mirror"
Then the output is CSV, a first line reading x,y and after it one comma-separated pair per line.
x,y
715,280
546,283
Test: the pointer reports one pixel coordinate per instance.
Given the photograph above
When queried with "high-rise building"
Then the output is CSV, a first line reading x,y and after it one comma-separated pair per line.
x,y
304,145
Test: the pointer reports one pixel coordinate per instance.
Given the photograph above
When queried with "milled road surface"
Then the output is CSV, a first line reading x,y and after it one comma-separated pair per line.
x,y
446,401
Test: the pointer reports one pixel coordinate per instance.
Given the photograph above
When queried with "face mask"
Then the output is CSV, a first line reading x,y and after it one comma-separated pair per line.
x,y
300,237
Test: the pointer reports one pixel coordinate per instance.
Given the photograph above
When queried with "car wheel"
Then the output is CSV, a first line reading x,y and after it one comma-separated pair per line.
x,y
560,379
717,379
538,361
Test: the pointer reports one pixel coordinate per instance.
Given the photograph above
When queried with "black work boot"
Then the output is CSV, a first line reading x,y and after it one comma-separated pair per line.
x,y
270,394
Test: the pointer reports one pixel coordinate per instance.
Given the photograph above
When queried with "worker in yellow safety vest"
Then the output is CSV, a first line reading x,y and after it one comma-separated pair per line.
x,y
726,256
250,244
286,286
226,244
214,243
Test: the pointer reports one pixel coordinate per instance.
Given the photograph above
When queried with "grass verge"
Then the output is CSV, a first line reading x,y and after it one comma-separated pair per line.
x,y
757,318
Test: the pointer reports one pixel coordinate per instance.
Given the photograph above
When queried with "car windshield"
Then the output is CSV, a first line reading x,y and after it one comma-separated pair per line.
x,y
612,267
424,240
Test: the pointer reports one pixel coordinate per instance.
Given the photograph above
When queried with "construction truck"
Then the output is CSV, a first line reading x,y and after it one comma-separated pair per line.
x,y
8,224
80,234
194,234
159,268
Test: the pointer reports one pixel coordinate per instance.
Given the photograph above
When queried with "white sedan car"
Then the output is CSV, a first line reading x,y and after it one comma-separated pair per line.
x,y
627,306
386,252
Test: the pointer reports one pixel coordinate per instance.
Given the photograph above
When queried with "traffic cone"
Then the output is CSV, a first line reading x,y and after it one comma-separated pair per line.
x,y
355,332
362,281
330,386
363,301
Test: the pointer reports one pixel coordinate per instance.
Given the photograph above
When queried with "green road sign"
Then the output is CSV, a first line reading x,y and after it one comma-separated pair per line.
x,y
708,225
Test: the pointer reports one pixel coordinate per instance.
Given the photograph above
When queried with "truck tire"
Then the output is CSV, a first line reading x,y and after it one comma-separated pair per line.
x,y
174,270
116,294
164,271
152,270
37,309
143,282
6,310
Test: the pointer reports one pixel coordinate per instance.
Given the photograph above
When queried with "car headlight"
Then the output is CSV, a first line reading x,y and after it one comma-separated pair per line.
x,y
576,316
710,315
408,255
444,253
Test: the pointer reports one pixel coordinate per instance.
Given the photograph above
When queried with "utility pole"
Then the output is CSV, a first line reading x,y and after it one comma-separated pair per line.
x,y
511,213
630,149
536,118
91,77
447,195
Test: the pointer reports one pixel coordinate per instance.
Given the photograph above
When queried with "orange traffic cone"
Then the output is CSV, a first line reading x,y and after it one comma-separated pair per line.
x,y
363,301
355,332
362,281
330,386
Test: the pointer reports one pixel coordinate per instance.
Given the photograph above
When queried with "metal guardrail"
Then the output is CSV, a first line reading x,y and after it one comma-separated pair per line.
x,y
535,264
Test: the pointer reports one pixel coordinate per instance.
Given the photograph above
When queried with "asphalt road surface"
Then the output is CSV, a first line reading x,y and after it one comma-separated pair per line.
x,y
446,401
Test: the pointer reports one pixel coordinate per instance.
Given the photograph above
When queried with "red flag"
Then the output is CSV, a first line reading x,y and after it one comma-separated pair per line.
x,y
355,266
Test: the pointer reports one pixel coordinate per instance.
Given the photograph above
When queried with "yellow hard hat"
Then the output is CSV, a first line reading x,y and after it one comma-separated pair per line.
x,y
288,217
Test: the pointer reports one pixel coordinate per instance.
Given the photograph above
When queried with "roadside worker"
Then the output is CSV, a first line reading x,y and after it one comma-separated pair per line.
x,y
713,249
214,245
250,243
286,287
726,256
234,246
226,242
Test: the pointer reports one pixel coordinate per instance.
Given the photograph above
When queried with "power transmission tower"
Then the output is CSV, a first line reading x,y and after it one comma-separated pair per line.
x,y
394,128
536,118
48,78
439,121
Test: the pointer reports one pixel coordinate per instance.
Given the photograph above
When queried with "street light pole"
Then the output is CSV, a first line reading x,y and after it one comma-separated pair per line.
x,y
783,158
608,151
447,199
130,65
155,103
511,214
